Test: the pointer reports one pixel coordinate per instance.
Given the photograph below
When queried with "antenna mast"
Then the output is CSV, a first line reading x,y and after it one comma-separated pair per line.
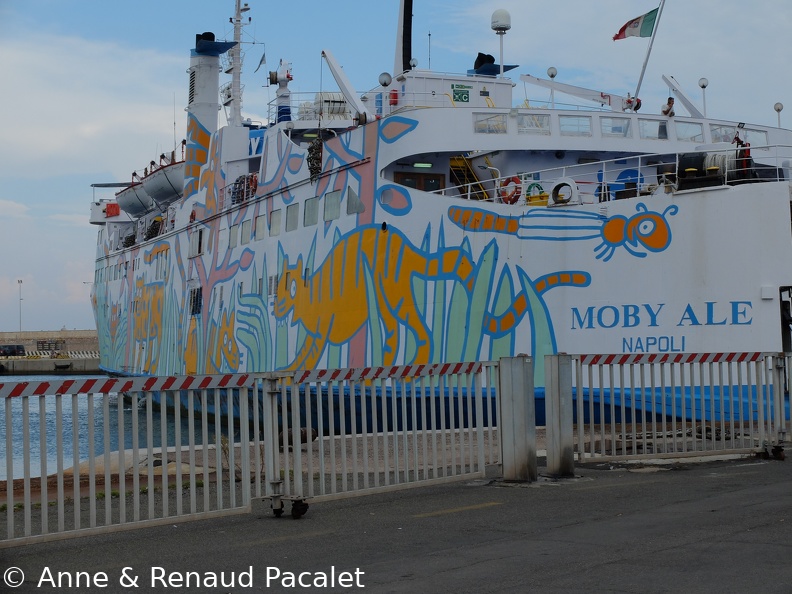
x,y
235,65
430,50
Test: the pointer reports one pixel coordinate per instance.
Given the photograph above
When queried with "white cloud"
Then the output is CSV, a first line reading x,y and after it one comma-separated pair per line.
x,y
89,106
14,210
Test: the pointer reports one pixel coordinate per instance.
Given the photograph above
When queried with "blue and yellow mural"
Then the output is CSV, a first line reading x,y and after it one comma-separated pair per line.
x,y
384,286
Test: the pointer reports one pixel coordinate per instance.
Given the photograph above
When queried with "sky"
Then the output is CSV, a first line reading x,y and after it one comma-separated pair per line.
x,y
91,93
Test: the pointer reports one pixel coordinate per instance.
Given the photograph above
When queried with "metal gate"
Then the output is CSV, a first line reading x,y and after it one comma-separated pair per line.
x,y
673,405
341,433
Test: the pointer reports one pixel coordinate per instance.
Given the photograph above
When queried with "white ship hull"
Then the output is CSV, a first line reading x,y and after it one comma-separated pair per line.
x,y
389,242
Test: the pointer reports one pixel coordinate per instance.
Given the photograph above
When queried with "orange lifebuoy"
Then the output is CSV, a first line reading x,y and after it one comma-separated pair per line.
x,y
510,196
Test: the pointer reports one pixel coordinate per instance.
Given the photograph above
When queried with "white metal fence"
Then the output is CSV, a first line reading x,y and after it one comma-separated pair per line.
x,y
349,432
666,405
98,455
87,456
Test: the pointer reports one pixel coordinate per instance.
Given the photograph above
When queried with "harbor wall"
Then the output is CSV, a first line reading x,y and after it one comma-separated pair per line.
x,y
43,366
76,352
73,340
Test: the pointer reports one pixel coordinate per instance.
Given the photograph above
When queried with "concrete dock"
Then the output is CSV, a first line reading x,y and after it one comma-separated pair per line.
x,y
720,526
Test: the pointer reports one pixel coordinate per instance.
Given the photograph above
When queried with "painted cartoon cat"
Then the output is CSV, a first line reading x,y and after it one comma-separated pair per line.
x,y
339,285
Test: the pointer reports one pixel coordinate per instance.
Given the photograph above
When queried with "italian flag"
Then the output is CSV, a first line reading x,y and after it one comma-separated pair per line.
x,y
640,27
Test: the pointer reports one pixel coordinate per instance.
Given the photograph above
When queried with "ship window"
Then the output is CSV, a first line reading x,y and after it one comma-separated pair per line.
x,y
196,301
311,212
488,123
354,203
615,127
275,220
233,235
574,125
755,137
689,131
652,129
722,133
261,226
292,217
533,124
332,206
273,285
196,243
245,238
261,285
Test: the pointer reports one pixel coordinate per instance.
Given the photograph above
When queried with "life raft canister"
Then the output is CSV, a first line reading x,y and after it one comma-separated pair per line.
x,y
510,196
564,191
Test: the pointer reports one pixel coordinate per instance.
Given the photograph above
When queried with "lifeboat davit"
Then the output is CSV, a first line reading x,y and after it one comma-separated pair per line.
x,y
134,200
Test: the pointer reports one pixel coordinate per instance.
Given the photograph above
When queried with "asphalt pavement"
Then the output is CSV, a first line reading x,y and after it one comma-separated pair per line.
x,y
723,526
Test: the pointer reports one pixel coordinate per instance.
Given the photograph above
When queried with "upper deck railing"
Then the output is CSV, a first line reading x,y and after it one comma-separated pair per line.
x,y
613,179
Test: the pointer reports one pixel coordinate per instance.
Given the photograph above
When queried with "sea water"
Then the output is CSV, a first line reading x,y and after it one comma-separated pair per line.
x,y
78,420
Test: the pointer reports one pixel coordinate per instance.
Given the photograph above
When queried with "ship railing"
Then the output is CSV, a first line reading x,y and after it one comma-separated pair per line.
x,y
628,177
242,189
329,107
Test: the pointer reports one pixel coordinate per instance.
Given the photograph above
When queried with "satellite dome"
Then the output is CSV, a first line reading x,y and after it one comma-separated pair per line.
x,y
501,20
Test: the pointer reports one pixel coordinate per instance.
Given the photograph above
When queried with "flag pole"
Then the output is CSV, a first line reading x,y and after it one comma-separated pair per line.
x,y
649,49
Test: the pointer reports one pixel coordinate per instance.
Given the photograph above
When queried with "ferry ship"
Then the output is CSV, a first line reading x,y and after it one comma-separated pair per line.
x,y
439,218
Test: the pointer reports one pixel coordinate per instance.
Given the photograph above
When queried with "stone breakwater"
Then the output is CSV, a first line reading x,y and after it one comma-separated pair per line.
x,y
81,363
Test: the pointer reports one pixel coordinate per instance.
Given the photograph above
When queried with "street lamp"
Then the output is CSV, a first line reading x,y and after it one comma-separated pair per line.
x,y
703,82
778,107
19,282
552,72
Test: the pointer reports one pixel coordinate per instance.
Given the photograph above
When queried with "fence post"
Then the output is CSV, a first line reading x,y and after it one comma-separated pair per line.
x,y
778,392
270,438
558,404
244,442
517,419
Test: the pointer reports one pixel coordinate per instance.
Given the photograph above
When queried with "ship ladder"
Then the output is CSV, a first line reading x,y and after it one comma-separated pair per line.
x,y
463,177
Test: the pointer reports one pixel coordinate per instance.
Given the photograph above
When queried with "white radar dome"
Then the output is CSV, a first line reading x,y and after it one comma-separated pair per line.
x,y
501,20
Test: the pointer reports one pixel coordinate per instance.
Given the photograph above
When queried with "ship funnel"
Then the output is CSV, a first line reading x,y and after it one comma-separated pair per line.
x,y
204,99
203,105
